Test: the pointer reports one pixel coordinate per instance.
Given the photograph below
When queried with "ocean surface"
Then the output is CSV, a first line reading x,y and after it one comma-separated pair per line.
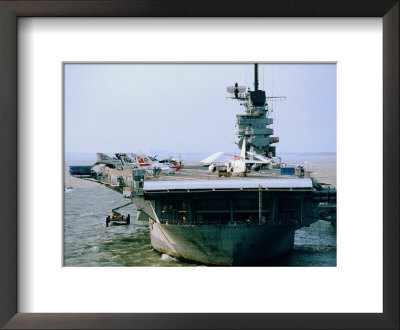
x,y
88,242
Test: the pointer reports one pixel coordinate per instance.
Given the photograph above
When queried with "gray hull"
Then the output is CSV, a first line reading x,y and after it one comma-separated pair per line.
x,y
235,222
223,244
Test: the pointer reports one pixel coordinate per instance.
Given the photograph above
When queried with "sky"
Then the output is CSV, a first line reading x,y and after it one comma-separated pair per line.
x,y
183,108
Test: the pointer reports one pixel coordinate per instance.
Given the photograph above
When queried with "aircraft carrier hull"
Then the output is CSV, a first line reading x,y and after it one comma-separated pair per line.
x,y
226,222
223,244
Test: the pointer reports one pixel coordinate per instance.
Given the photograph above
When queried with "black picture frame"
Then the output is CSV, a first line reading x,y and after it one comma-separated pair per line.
x,y
9,13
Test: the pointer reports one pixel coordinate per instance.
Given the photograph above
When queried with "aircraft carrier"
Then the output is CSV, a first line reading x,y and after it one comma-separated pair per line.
x,y
242,220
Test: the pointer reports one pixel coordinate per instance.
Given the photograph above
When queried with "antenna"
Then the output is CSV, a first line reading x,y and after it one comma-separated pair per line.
x,y
237,91
256,77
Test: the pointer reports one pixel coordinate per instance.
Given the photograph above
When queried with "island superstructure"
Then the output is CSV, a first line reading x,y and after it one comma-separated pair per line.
x,y
254,126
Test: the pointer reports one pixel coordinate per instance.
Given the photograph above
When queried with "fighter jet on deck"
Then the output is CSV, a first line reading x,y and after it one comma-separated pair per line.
x,y
239,165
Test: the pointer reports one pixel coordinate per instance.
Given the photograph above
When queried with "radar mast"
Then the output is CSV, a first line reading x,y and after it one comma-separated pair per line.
x,y
254,126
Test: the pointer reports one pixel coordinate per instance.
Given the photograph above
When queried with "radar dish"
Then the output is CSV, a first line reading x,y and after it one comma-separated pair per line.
x,y
236,89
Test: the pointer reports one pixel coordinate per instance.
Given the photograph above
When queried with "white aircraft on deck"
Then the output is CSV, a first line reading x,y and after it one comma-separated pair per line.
x,y
239,165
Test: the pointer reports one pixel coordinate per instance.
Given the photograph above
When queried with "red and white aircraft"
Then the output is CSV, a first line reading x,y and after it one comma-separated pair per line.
x,y
147,162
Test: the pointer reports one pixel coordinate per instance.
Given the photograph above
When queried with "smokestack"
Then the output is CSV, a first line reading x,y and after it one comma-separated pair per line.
x,y
256,77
